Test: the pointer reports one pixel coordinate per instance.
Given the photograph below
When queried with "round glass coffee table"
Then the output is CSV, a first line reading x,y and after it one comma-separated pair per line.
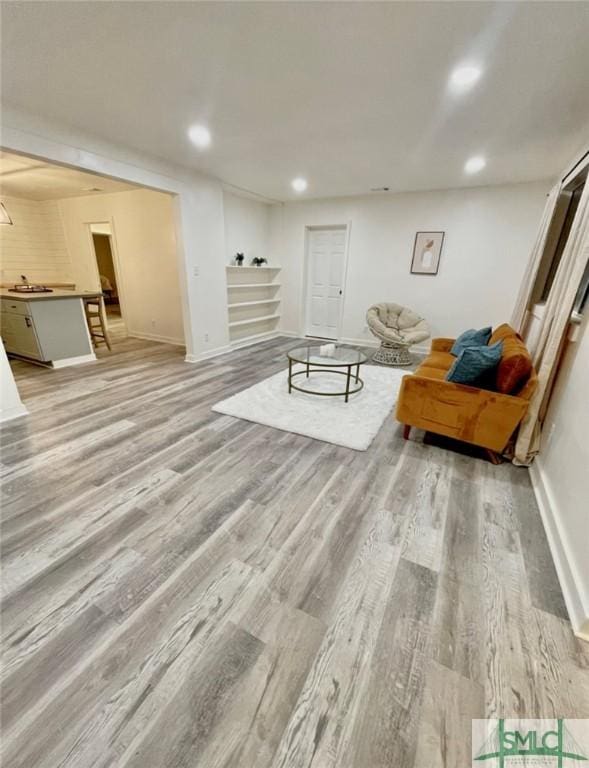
x,y
342,361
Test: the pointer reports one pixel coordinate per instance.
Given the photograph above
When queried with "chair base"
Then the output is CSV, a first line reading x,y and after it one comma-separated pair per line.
x,y
389,354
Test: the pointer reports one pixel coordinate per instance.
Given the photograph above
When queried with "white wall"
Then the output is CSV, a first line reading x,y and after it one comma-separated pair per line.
x,y
247,227
561,476
142,223
200,212
11,406
35,244
489,234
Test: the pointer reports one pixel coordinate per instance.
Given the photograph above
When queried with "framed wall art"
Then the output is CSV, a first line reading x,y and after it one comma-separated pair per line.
x,y
427,250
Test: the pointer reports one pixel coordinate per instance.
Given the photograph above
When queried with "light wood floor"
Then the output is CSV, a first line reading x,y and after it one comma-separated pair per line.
x,y
187,589
117,329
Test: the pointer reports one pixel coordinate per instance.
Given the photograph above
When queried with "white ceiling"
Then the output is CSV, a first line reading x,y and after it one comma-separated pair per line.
x,y
349,95
35,180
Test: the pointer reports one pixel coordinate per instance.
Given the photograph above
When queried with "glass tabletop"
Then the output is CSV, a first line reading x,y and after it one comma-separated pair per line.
x,y
328,355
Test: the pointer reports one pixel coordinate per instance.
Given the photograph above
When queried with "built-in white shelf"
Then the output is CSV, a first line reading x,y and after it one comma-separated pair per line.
x,y
252,320
256,315
255,269
254,285
253,303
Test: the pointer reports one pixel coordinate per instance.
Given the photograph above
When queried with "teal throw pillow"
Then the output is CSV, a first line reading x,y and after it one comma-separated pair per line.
x,y
471,338
476,366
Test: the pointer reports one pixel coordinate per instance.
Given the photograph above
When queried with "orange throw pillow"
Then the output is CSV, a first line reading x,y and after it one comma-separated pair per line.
x,y
502,332
516,364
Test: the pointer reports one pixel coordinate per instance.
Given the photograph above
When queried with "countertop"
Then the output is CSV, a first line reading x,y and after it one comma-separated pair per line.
x,y
56,293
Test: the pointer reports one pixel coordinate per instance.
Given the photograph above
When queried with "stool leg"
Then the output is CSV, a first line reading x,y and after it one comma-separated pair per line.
x,y
98,333
103,324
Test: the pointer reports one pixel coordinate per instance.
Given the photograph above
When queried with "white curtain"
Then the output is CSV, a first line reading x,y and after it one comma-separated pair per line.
x,y
518,318
554,328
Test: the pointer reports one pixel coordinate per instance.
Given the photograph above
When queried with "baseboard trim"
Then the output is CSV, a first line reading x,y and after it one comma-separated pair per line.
x,y
360,342
276,334
8,414
67,361
235,345
207,355
576,602
374,343
258,340
155,337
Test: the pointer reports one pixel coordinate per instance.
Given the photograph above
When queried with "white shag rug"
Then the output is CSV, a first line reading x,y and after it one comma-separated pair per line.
x,y
354,424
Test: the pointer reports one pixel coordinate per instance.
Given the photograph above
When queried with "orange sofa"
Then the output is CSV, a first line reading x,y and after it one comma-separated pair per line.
x,y
483,417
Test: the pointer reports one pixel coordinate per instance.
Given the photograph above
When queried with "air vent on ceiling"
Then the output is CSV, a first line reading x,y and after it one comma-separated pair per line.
x,y
379,189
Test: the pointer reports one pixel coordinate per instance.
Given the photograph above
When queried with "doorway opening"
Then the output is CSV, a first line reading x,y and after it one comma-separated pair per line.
x,y
103,253
556,240
108,276
325,267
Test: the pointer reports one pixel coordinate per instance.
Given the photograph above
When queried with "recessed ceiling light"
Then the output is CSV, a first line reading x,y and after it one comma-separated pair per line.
x,y
200,136
464,77
299,185
475,164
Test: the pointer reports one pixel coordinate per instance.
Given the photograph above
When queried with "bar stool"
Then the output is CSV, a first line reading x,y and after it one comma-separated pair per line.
x,y
96,321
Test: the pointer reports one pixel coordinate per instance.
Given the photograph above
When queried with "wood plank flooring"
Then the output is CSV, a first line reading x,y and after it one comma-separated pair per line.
x,y
181,588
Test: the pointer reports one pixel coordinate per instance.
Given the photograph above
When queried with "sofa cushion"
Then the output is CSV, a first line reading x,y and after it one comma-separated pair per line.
x,y
443,360
431,373
476,365
471,338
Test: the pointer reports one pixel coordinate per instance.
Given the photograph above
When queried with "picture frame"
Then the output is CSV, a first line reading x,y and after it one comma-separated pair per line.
x,y
427,250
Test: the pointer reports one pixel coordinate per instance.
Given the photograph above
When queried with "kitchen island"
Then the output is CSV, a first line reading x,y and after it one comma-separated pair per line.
x,y
46,328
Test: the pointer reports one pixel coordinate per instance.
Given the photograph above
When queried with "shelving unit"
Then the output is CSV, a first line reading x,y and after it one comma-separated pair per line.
x,y
235,323
255,285
253,303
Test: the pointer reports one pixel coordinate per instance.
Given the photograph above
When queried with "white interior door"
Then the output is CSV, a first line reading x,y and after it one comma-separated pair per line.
x,y
325,281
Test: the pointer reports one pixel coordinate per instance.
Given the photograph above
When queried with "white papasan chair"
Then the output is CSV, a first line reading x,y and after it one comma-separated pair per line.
x,y
397,328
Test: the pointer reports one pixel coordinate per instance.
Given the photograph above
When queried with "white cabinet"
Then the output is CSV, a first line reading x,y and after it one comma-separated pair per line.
x,y
18,331
46,330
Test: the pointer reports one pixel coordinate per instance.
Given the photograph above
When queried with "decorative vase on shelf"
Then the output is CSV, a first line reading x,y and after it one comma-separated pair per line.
x,y
257,261
239,257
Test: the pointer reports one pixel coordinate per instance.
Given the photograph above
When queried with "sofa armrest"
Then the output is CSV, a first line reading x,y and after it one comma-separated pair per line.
x,y
442,345
473,415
